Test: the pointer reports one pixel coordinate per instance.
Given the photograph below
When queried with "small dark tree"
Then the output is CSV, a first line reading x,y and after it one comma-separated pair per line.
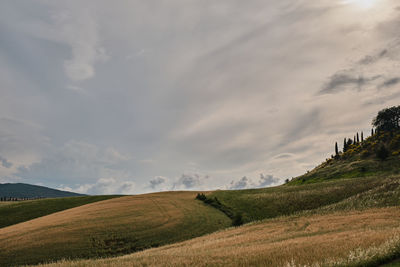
x,y
382,152
372,132
336,149
345,145
237,220
349,143
358,138
362,137
286,181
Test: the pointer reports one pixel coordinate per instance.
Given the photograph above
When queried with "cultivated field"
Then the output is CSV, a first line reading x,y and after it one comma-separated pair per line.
x,y
111,227
342,238
13,212
124,225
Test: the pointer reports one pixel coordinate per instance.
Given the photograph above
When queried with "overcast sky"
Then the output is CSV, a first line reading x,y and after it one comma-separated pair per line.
x,y
136,96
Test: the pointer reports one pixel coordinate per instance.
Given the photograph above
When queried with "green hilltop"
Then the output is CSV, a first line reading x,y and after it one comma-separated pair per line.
x,y
377,155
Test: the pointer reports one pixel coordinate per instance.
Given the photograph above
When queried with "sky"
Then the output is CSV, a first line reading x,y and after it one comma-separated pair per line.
x,y
129,97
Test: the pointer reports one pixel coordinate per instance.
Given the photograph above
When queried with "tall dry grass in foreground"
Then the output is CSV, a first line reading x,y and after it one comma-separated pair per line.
x,y
337,239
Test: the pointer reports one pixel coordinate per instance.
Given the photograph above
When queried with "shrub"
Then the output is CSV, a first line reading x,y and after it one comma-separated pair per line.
x,y
237,220
382,152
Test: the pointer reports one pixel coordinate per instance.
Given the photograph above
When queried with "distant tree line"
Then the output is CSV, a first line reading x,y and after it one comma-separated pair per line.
x,y
2,199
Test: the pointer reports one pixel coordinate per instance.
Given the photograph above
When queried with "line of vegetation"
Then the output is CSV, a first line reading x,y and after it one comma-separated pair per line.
x,y
236,217
27,210
376,155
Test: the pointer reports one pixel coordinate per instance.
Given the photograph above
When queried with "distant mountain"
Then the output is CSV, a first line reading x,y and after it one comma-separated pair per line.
x,y
20,190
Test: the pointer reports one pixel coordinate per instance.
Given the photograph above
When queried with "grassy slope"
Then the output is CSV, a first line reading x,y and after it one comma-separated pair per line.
x,y
362,230
284,241
16,212
112,227
258,204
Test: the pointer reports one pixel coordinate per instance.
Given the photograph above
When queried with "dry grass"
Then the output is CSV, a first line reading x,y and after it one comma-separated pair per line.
x,y
117,226
342,238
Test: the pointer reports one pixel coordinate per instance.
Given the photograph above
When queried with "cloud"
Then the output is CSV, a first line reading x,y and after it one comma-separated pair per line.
x,y
104,186
246,183
157,181
243,183
370,59
221,88
344,80
267,180
76,28
76,162
390,82
5,163
190,181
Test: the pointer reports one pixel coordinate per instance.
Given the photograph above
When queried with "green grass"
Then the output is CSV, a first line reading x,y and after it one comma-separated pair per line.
x,y
258,204
350,168
393,264
109,228
17,212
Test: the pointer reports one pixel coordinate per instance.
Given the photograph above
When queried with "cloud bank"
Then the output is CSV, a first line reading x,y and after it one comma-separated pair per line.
x,y
101,97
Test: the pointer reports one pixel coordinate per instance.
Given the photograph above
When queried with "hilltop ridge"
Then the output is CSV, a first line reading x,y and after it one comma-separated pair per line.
x,y
377,155
21,190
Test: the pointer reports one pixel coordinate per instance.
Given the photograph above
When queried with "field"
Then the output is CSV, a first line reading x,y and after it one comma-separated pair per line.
x,y
107,228
344,238
258,204
297,218
20,211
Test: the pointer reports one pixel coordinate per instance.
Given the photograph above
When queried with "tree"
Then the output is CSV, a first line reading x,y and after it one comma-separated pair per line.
x,y
349,143
387,119
362,136
358,138
344,145
237,219
336,149
372,132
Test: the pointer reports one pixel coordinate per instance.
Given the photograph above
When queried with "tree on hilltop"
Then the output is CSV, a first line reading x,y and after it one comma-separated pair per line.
x,y
387,119
336,150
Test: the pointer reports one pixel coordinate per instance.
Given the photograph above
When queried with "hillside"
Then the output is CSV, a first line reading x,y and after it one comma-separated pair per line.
x,y
13,212
345,212
348,238
127,224
108,228
20,190
377,155
362,230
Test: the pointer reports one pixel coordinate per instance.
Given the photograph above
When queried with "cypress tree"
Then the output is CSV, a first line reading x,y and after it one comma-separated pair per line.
x,y
362,136
344,145
336,149
358,138
372,132
354,140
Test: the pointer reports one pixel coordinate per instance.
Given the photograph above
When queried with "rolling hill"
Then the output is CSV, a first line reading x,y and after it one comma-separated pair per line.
x,y
21,190
108,228
345,212
348,238
13,212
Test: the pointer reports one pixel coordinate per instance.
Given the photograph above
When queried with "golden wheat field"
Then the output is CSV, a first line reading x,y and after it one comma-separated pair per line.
x,y
340,238
120,225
